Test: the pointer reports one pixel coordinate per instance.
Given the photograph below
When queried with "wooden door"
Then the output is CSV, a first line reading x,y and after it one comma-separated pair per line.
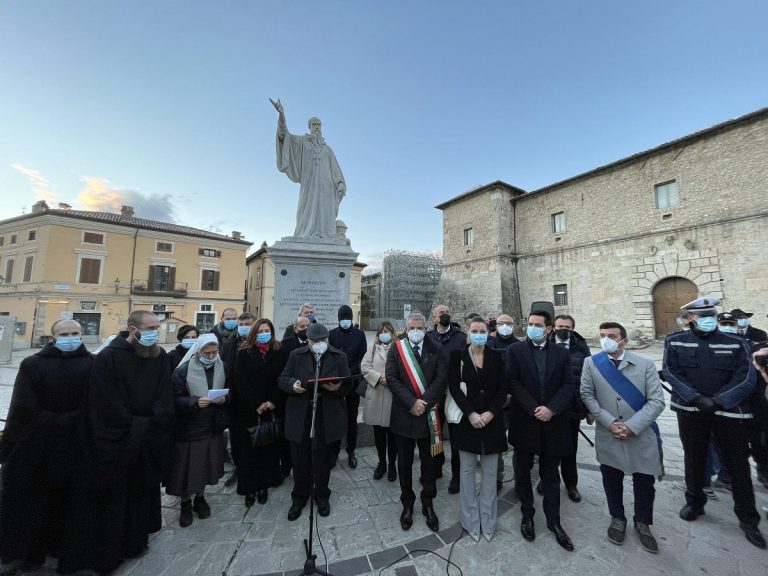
x,y
668,295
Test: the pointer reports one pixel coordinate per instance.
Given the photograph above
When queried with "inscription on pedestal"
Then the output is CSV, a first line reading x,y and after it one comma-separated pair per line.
x,y
326,288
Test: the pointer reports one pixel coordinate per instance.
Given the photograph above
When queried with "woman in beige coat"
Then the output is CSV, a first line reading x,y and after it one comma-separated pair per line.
x,y
378,400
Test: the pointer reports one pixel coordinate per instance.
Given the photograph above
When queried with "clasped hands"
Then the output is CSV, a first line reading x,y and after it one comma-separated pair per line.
x,y
480,420
203,402
620,430
543,413
264,407
419,407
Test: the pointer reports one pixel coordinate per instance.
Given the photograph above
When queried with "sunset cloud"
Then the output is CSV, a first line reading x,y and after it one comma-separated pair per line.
x,y
100,195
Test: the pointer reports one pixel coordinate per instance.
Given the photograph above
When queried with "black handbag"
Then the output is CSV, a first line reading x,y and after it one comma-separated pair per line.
x,y
268,431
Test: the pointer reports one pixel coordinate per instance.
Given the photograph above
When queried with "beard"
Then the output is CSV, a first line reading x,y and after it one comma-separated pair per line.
x,y
145,351
316,136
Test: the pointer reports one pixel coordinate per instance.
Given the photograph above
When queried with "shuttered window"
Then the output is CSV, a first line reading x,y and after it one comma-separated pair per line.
x,y
28,262
90,270
210,280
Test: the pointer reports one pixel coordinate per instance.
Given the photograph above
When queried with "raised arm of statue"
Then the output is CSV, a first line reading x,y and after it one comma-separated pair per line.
x,y
282,126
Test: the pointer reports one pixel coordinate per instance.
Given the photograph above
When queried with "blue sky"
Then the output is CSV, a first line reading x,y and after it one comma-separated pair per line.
x,y
164,105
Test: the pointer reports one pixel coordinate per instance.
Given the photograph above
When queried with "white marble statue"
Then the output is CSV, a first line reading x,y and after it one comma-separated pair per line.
x,y
309,161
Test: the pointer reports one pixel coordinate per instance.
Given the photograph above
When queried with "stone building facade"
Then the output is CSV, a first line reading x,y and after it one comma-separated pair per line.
x,y
630,241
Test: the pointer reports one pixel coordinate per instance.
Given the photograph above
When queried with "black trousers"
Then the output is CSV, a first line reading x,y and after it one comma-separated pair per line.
x,y
405,448
303,456
353,404
731,436
568,469
550,480
642,487
385,444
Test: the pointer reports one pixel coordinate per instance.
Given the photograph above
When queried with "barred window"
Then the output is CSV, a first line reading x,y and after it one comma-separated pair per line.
x,y
560,294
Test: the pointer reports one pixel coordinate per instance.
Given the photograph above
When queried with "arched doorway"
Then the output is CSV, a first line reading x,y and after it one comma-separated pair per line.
x,y
668,295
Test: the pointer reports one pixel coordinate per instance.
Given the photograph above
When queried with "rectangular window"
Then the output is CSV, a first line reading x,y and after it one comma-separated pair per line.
x,y
206,307
158,307
93,238
210,280
28,262
560,294
210,253
14,237
32,236
2,240
469,236
666,195
164,247
558,222
160,278
90,270
9,271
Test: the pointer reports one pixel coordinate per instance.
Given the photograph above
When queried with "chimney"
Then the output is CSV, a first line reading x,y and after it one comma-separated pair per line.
x,y
64,206
39,206
126,212
237,235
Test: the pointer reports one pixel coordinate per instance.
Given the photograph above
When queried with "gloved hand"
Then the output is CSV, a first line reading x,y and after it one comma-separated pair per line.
x,y
706,405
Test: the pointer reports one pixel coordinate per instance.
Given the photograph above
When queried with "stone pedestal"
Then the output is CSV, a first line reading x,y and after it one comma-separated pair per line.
x,y
310,271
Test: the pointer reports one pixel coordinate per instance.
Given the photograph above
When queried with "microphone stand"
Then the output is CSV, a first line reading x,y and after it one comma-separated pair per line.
x,y
309,563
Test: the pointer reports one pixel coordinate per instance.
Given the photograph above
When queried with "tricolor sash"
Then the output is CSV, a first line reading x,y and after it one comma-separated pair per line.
x,y
627,391
418,383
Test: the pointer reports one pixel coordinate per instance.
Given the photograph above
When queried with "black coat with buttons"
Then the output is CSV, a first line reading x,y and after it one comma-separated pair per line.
x,y
486,392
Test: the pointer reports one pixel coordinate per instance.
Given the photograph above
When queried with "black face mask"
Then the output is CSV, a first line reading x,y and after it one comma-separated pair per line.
x,y
445,319
491,325
302,334
563,334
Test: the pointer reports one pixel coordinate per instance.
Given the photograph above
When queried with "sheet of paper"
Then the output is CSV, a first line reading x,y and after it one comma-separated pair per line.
x,y
217,393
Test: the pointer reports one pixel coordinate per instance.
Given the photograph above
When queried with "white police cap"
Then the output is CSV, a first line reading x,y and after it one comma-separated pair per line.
x,y
703,304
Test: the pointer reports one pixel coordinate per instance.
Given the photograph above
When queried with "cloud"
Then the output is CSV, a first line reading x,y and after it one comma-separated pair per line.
x,y
40,184
100,195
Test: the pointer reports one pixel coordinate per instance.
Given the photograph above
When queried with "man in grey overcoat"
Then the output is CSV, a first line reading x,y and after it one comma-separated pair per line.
x,y
623,393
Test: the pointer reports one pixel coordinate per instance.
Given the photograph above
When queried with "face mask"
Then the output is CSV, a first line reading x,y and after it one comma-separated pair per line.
x,y
319,347
729,329
416,336
445,319
230,324
563,334
742,322
187,343
68,343
706,324
385,337
610,346
504,330
311,317
242,331
148,337
302,334
478,339
207,361
263,337
535,333
345,324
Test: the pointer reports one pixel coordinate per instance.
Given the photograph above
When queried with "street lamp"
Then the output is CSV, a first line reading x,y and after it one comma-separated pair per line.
x,y
117,285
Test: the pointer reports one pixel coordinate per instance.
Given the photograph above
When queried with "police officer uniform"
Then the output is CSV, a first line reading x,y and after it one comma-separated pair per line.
x,y
712,379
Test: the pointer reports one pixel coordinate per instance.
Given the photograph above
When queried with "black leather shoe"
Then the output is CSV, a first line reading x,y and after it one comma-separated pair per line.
x,y
263,496
378,473
753,535
540,488
201,507
250,500
295,511
406,518
453,486
432,522
527,530
574,494
691,512
186,514
352,461
324,508
561,537
392,473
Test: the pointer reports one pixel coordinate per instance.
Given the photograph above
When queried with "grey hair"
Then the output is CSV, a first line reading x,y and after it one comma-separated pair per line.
x,y
417,317
301,308
434,310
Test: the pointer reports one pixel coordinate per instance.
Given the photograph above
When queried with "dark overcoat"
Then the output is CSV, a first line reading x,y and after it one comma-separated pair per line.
x,y
526,432
255,382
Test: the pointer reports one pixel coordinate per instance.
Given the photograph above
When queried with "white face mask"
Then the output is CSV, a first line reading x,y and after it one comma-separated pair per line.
x,y
610,346
415,336
320,347
504,330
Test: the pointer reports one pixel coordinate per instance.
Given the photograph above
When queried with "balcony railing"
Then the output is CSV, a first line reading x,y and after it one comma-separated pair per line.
x,y
175,289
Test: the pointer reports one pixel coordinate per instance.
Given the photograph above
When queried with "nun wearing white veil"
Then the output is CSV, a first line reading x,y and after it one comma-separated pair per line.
x,y
197,458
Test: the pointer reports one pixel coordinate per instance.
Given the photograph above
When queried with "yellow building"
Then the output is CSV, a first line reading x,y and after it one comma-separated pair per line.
x,y
97,267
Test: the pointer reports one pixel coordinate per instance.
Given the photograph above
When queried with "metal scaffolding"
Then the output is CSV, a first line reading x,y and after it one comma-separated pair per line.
x,y
408,278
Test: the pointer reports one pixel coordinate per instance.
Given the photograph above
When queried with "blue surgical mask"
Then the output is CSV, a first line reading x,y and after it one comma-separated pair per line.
x,y
242,331
345,324
311,317
148,337
207,361
535,333
742,322
385,337
478,339
230,324
263,337
187,343
728,329
706,323
68,343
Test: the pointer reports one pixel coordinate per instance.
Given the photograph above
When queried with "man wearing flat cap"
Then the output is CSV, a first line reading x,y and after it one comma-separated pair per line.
x,y
745,327
712,380
330,419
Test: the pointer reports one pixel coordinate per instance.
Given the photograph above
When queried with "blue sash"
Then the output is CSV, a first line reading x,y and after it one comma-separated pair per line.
x,y
626,390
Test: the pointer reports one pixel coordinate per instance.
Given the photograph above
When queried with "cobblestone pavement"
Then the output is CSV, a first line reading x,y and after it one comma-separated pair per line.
x,y
362,535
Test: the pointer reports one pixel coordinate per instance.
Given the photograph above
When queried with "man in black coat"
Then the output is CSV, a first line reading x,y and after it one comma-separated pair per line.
x,y
414,420
330,419
539,377
41,446
352,342
504,337
298,336
226,326
745,328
